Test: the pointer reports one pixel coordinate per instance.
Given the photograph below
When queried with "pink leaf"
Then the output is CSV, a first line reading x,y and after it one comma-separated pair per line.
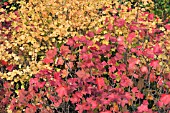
x,y
136,76
167,26
106,111
90,34
107,36
120,40
144,69
150,17
112,69
62,91
81,73
157,49
143,108
48,60
51,53
64,50
165,98
130,37
154,63
99,31
70,42
100,82
135,90
125,81
120,22
110,26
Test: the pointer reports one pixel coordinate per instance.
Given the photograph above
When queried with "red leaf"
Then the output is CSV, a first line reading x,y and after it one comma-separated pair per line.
x,y
57,103
5,3
30,109
60,61
145,102
64,50
41,84
143,108
139,95
33,81
92,102
90,34
112,69
3,62
160,104
125,81
51,53
62,91
48,60
120,40
150,17
76,97
135,90
107,36
133,27
167,26
118,56
149,53
106,111
133,61
144,69
120,22
154,63
165,98
157,49
130,37
152,77
70,42
100,82
82,74
136,76
99,31
110,26
10,67
6,85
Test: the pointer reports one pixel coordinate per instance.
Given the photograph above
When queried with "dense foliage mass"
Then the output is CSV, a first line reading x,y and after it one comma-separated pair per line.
x,y
94,56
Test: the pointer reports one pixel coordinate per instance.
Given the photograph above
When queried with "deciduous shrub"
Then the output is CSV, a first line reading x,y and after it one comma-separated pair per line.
x,y
121,64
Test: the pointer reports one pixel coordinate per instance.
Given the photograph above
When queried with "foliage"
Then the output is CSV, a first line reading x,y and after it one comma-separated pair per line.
x,y
85,58
162,8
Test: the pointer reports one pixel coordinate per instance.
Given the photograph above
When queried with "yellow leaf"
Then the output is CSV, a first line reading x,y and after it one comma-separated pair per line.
x,y
105,42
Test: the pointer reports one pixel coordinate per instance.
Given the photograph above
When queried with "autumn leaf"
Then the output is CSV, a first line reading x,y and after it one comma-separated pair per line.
x,y
110,26
144,69
165,98
62,91
51,53
3,62
143,108
167,26
100,82
64,50
10,67
119,22
154,63
90,34
130,37
70,42
151,17
125,81
157,49
48,60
